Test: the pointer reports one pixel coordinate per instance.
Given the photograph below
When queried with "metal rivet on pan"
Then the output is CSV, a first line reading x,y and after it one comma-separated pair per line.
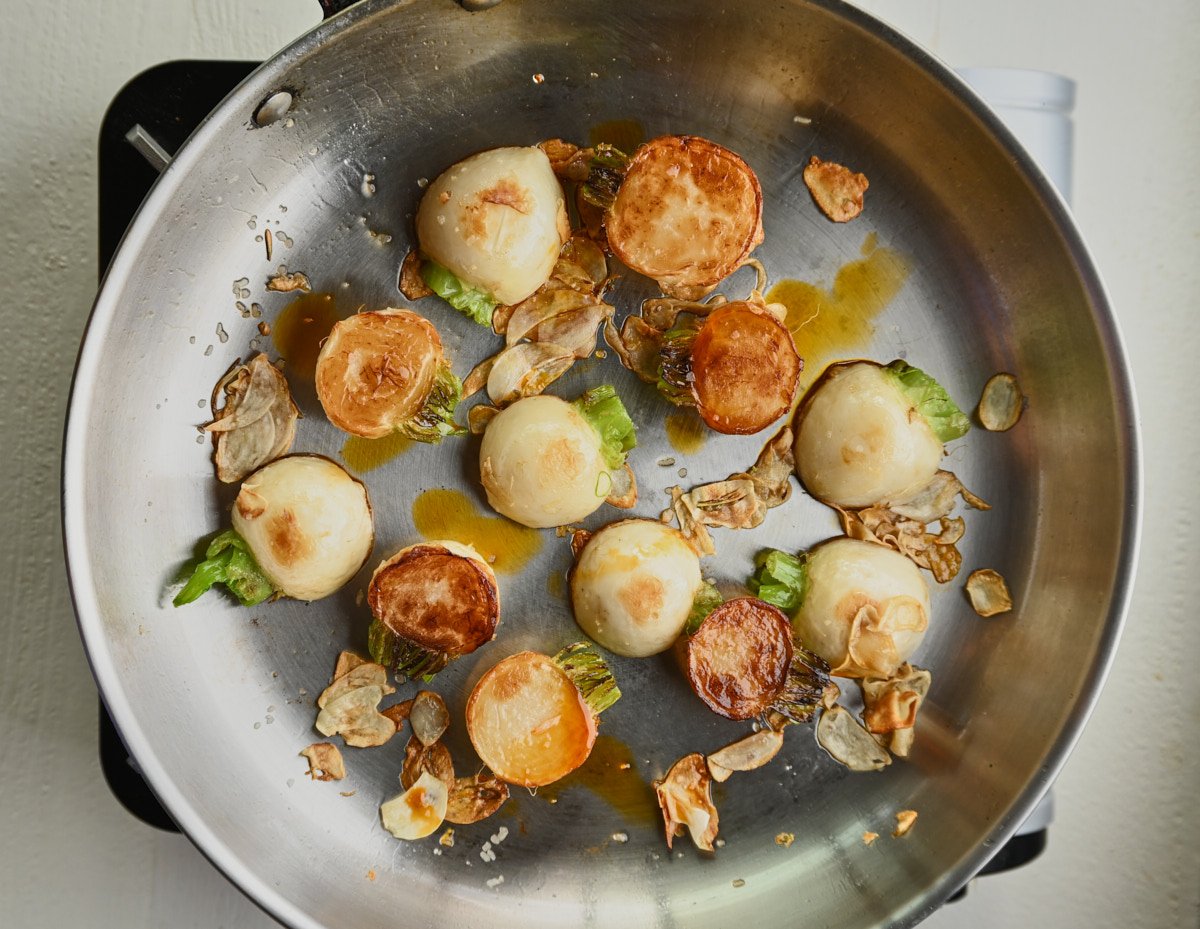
x,y
273,108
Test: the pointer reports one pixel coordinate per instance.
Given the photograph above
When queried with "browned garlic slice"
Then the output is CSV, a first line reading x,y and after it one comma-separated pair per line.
x,y
429,717
355,717
525,370
475,798
478,418
890,706
988,592
905,820
349,705
729,504
431,759
398,713
623,492
904,526
685,798
324,762
417,812
836,189
746,754
1001,403
772,472
848,743
690,524
257,421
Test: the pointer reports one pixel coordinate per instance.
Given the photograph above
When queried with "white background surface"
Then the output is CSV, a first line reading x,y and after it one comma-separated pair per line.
x,y
1125,849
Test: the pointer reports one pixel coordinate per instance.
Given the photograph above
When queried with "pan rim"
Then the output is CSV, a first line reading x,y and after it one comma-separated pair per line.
x,y
89,616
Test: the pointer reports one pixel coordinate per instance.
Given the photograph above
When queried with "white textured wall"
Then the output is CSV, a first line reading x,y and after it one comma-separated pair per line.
x,y
1125,850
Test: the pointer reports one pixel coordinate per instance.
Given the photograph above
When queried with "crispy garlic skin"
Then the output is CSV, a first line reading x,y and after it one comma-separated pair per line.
x,y
528,722
441,595
496,220
687,214
376,370
845,576
307,522
859,441
541,465
632,586
737,661
745,369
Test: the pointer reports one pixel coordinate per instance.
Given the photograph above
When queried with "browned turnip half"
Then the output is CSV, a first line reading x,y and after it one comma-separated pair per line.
x,y
744,368
687,214
532,718
741,661
431,603
382,372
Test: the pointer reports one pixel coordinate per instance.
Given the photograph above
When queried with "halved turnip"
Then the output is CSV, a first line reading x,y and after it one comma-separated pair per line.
x,y
545,462
687,213
382,372
738,366
633,585
742,662
495,222
532,718
431,603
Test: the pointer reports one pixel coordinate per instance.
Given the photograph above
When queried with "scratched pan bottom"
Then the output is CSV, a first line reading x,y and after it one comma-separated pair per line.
x,y
964,263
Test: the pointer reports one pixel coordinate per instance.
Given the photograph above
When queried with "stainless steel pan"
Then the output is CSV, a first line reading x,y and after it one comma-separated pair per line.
x,y
215,700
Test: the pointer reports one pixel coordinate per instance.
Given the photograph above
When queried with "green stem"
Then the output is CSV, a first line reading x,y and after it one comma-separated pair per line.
x,y
228,561
589,673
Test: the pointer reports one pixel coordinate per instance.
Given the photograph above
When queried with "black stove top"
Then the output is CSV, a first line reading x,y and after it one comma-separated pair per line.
x,y
145,124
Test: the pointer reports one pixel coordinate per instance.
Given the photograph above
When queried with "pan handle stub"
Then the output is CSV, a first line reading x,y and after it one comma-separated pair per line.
x,y
333,7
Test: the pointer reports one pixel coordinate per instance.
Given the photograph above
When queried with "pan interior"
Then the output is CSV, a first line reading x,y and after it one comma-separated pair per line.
x,y
980,275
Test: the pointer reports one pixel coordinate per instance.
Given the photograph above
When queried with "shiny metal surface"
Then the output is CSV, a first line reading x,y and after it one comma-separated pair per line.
x,y
215,701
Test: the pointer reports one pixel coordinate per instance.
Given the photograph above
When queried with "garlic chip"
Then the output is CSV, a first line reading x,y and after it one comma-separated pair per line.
x,y
623,492
431,759
746,754
478,418
890,706
988,592
905,526
475,798
419,811
428,717
905,820
685,798
349,705
848,743
871,646
525,370
256,423
324,762
836,189
730,504
1001,403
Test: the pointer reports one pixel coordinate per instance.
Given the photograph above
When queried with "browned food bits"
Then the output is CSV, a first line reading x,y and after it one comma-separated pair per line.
x,y
988,593
905,820
836,190
324,762
1001,403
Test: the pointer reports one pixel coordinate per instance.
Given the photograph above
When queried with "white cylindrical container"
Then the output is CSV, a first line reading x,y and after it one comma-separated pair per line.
x,y
1036,106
